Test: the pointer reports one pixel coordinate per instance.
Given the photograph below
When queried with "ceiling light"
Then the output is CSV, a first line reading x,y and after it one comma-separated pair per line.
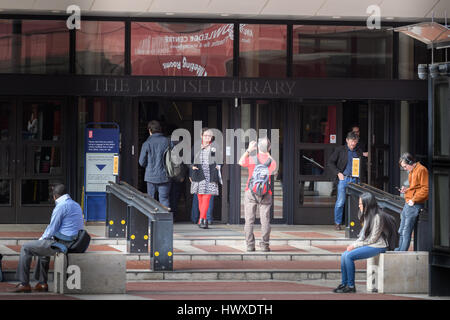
x,y
170,13
224,14
389,18
336,17
56,11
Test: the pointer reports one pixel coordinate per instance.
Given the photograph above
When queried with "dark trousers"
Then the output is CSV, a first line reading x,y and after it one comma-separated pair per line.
x,y
163,192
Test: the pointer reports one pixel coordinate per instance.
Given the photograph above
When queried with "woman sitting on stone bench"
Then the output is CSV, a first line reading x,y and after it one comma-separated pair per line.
x,y
377,236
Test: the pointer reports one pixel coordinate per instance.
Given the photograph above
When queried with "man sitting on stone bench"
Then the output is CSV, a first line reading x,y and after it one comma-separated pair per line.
x,y
66,221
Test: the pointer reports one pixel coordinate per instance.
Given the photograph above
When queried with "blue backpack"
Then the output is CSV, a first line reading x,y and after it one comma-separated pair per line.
x,y
259,183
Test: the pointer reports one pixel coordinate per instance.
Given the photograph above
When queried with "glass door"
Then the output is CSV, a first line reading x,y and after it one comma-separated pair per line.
x,y
379,144
172,115
317,133
7,161
32,149
263,116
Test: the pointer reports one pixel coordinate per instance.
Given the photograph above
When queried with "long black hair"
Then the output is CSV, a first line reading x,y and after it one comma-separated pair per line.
x,y
387,222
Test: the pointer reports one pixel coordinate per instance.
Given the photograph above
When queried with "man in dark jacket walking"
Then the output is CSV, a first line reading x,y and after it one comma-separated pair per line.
x,y
345,162
152,158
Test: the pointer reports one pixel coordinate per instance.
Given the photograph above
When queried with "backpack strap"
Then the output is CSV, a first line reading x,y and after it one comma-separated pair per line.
x,y
268,162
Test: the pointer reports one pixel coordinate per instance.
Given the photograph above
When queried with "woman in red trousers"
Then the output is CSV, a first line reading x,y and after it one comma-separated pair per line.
x,y
205,175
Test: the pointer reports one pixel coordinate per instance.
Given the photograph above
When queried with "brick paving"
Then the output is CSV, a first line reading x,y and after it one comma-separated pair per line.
x,y
239,290
326,240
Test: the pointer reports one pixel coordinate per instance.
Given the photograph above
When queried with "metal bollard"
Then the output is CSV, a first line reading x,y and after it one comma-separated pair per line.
x,y
137,231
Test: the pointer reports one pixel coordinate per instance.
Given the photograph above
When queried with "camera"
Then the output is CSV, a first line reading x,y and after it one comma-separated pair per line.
x,y
422,71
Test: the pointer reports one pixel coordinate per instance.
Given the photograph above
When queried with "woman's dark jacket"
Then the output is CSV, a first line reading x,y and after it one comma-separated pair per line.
x,y
198,175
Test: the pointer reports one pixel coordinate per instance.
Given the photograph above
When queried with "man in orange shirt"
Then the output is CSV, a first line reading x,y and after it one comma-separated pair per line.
x,y
415,197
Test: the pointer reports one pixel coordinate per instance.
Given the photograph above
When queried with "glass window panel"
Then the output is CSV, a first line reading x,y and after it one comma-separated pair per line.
x,y
6,43
411,53
442,119
181,49
441,186
100,48
43,160
317,193
5,121
41,121
5,191
318,124
38,191
34,46
262,50
341,51
6,156
312,162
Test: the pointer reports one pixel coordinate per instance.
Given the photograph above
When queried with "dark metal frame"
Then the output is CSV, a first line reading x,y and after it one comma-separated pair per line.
x,y
307,88
439,256
136,214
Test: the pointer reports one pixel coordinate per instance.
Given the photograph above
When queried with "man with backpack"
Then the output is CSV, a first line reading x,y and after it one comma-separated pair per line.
x,y
258,193
152,159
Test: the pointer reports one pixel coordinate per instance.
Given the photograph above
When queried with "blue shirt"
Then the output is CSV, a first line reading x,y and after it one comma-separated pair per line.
x,y
67,218
351,154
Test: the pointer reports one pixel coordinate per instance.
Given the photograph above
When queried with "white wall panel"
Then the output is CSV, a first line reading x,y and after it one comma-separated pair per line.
x,y
406,8
292,7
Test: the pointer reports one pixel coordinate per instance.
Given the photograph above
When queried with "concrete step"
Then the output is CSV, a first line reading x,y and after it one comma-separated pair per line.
x,y
215,256
227,270
202,241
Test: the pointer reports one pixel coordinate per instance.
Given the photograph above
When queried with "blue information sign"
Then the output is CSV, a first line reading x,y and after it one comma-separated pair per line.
x,y
101,166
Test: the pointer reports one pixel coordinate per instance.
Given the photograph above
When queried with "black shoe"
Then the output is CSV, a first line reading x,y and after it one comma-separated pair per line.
x,y
202,223
348,289
206,224
339,288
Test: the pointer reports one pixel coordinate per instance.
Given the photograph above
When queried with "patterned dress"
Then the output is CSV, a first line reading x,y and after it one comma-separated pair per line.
x,y
205,186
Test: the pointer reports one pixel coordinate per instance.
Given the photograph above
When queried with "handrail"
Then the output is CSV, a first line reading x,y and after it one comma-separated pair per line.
x,y
384,199
390,203
157,206
139,212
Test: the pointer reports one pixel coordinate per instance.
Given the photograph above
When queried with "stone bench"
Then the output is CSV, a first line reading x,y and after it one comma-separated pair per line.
x,y
398,272
90,273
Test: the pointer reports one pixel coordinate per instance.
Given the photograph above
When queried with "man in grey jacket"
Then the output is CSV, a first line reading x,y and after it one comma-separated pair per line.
x,y
152,158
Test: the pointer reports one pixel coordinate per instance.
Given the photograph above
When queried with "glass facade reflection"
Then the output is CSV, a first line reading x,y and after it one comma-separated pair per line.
x,y
34,46
342,51
181,49
100,48
262,50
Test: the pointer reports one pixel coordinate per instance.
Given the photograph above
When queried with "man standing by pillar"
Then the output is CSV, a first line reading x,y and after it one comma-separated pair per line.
x,y
415,196
342,163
